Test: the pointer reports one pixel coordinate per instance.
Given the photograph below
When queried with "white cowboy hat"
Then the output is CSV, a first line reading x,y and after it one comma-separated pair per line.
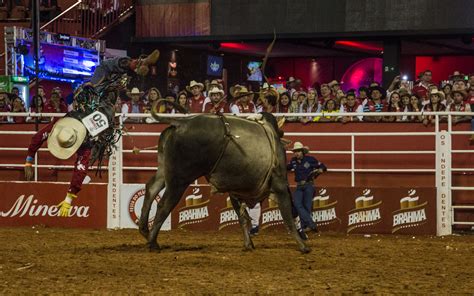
x,y
215,90
291,79
194,83
66,137
234,89
266,86
135,91
299,146
439,93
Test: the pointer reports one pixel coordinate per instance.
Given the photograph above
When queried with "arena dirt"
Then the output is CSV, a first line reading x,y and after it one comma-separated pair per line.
x,y
44,260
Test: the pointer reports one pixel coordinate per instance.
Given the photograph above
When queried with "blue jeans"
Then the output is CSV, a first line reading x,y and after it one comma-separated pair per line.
x,y
303,199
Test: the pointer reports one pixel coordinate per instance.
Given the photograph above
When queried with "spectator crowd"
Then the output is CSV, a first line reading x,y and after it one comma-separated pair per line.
x,y
423,95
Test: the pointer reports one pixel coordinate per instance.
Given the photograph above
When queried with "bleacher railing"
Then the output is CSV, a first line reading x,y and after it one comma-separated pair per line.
x,y
442,151
89,19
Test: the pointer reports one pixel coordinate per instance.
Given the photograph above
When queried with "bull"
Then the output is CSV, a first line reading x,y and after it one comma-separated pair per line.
x,y
242,157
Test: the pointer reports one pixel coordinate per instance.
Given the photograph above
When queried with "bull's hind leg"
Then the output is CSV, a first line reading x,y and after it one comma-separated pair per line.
x,y
170,199
153,187
244,221
283,197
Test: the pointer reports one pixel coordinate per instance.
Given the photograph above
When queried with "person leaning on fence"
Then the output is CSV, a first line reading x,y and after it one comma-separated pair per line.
x,y
306,168
67,136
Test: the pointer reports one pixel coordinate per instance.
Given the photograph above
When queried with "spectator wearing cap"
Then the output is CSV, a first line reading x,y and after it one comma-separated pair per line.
x,y
375,104
306,168
196,100
334,86
135,105
244,103
4,105
434,106
351,106
311,105
422,87
329,107
168,107
459,105
183,101
217,103
459,83
290,83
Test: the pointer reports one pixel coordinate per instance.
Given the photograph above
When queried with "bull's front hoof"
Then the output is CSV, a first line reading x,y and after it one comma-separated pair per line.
x,y
305,250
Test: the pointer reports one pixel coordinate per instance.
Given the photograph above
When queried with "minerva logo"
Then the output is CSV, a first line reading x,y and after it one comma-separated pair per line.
x,y
324,211
271,216
29,207
227,215
195,211
366,212
410,214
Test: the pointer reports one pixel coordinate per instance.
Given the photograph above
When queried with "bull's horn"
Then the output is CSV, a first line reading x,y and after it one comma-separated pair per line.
x,y
281,122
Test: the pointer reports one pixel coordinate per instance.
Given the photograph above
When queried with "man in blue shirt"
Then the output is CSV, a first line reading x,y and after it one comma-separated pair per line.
x,y
306,168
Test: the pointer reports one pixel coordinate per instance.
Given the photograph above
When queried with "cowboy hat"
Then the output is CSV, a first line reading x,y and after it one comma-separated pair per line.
x,y
437,92
242,91
194,83
299,146
234,89
216,90
266,86
463,93
135,91
66,137
215,83
380,89
291,79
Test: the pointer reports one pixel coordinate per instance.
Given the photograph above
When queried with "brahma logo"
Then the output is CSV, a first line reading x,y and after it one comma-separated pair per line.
x,y
271,216
135,206
195,211
324,211
410,214
29,207
366,212
228,216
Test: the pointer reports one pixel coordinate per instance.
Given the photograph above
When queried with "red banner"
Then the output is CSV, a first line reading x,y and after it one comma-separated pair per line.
x,y
349,210
30,203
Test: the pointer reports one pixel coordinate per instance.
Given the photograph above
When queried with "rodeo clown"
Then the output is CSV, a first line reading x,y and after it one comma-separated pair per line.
x,y
89,130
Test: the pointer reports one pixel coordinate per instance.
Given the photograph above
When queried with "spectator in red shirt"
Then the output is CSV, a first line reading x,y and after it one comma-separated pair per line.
x,y
55,104
459,105
135,105
434,106
197,98
244,103
422,87
376,103
216,104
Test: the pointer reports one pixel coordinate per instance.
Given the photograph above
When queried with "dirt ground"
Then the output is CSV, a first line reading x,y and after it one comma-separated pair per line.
x,y
46,260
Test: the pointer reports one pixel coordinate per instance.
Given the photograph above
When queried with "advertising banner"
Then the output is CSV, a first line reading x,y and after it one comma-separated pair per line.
x,y
348,210
132,197
35,203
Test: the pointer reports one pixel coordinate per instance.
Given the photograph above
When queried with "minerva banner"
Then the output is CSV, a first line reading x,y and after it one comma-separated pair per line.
x,y
35,203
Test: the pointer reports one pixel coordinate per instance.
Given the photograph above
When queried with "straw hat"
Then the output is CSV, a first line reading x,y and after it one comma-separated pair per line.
x,y
234,89
216,90
135,91
194,83
66,137
299,146
439,93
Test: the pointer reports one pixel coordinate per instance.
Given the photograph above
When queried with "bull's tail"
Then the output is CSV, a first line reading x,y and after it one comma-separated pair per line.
x,y
165,119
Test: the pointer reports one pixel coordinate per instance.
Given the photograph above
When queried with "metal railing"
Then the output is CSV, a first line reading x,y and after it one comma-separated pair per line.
x,y
352,152
87,18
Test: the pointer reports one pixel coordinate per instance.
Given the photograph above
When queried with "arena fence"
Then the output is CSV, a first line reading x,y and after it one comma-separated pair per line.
x,y
445,209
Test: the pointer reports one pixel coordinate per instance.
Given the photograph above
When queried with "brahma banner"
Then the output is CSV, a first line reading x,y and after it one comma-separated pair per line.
x,y
35,203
